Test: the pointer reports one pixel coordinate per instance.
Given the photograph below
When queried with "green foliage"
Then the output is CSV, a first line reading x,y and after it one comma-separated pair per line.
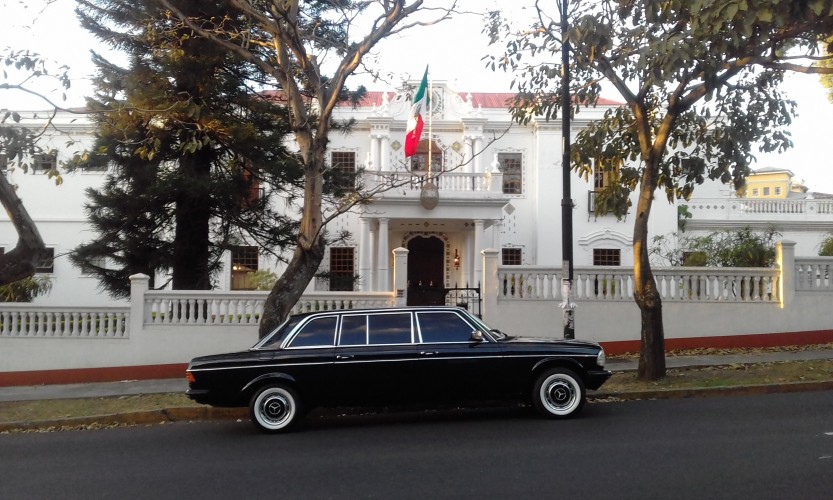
x,y
263,279
190,147
682,217
729,248
26,289
826,247
700,81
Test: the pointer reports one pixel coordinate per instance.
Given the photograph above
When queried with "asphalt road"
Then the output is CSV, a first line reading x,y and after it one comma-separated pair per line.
x,y
772,446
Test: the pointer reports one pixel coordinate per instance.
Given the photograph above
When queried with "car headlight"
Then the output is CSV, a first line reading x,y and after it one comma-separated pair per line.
x,y
600,358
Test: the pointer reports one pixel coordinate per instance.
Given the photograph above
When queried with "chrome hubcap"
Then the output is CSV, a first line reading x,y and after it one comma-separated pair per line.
x,y
276,409
560,395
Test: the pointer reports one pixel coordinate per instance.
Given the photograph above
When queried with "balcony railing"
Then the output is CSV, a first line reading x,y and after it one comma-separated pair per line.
x,y
760,209
694,284
454,184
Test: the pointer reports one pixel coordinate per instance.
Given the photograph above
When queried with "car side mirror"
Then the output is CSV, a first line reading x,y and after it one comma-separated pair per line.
x,y
477,336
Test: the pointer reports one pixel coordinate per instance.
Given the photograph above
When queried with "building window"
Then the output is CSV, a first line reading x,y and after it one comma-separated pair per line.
x,y
511,256
342,269
244,260
766,191
511,165
97,262
47,262
419,161
778,191
343,164
600,179
755,192
607,257
44,162
254,192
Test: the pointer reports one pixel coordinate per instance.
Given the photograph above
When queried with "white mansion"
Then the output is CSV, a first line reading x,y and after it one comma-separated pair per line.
x,y
499,187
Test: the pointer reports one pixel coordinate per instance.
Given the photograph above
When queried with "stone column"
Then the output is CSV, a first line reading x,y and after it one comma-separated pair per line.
x,y
497,224
469,156
489,285
375,152
478,160
384,255
785,254
478,247
365,251
384,147
400,276
374,256
139,284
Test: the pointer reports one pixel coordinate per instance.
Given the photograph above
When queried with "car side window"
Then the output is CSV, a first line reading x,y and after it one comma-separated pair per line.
x,y
389,328
438,327
319,332
353,330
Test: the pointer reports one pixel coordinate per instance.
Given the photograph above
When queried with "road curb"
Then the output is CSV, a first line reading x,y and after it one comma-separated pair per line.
x,y
746,390
145,417
200,413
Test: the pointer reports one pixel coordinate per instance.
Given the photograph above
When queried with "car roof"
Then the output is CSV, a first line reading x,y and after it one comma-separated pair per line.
x,y
368,310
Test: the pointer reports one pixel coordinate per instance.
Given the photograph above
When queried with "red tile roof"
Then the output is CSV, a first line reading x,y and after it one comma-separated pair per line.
x,y
487,100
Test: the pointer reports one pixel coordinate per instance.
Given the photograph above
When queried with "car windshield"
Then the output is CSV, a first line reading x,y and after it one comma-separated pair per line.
x,y
273,340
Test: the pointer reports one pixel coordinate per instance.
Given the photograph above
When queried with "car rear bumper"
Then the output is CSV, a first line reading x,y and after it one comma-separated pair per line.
x,y
207,397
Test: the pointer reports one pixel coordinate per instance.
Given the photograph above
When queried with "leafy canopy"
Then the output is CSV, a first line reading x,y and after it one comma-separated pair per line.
x,y
699,78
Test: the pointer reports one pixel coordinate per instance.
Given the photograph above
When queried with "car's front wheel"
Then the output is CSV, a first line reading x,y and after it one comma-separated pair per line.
x,y
559,393
275,408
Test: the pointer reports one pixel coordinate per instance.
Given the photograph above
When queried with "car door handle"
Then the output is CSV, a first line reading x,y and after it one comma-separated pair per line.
x,y
427,353
343,357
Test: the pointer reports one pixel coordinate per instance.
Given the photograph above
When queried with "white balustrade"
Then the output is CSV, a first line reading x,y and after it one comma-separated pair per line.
x,y
813,273
782,209
695,284
26,320
402,183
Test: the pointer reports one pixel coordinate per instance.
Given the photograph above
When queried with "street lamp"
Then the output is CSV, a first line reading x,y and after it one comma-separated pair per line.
x,y
566,201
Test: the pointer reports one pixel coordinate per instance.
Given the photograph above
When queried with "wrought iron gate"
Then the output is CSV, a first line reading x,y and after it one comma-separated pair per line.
x,y
468,298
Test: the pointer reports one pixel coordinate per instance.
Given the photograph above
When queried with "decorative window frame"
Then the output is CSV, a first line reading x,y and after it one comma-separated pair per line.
x,y
512,247
523,154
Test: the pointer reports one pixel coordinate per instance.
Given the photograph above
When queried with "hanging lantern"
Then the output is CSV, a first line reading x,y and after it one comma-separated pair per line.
x,y
429,196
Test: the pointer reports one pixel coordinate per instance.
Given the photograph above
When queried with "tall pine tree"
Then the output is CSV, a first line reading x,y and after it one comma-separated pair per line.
x,y
188,141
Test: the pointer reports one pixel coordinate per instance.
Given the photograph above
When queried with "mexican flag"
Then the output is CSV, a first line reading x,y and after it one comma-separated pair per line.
x,y
415,121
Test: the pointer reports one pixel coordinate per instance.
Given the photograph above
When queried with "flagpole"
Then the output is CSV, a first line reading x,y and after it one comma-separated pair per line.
x,y
430,121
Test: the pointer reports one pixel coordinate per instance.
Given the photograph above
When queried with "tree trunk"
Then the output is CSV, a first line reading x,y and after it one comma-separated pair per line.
x,y
647,297
21,261
291,285
309,251
193,213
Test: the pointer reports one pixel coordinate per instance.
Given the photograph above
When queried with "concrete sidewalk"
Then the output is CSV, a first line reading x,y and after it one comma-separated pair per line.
x,y
133,387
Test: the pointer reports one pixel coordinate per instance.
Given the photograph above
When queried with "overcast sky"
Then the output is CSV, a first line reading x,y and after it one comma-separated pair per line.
x,y
453,49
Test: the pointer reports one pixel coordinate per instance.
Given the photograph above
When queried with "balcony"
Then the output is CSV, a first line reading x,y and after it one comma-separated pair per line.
x,y
713,211
451,185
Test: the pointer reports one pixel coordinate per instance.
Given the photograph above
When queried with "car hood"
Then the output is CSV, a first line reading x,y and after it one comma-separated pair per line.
x,y
575,343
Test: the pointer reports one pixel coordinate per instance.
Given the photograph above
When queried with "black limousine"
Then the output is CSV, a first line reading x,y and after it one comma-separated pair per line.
x,y
371,357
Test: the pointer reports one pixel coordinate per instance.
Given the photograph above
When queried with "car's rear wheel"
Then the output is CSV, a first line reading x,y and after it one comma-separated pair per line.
x,y
275,408
558,393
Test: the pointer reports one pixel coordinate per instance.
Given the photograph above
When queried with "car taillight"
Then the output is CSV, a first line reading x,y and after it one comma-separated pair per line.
x,y
189,377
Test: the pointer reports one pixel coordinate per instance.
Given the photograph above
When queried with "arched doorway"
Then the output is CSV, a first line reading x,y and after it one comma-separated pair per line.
x,y
426,255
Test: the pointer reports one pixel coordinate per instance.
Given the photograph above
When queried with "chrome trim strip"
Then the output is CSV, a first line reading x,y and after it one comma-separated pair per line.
x,y
497,355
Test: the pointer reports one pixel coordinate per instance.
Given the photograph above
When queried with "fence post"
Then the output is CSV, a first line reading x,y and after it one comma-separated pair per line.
x,y
489,284
139,284
785,252
400,276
